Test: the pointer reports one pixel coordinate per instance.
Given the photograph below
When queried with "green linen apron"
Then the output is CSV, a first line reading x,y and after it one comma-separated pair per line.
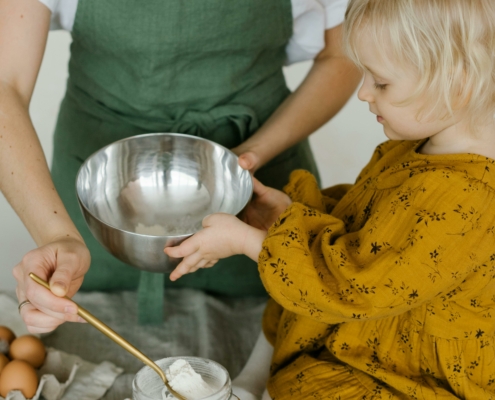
x,y
211,68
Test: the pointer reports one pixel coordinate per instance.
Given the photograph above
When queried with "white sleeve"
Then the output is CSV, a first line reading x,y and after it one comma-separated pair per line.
x,y
334,12
63,13
310,20
51,4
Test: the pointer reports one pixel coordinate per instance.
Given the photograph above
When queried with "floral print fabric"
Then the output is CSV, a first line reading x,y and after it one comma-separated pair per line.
x,y
385,289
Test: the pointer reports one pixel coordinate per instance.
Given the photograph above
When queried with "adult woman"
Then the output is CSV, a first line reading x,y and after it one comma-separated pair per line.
x,y
210,68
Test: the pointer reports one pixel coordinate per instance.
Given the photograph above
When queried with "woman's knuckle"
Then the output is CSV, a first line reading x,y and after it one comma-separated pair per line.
x,y
71,317
30,291
28,319
29,258
17,272
71,257
32,329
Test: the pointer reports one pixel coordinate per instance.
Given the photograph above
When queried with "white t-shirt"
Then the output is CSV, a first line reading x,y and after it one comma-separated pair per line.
x,y
311,19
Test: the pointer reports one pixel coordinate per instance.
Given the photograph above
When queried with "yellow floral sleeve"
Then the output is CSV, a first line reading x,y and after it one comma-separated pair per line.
x,y
312,266
271,318
304,188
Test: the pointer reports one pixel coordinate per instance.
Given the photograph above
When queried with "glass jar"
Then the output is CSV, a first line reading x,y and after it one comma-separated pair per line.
x,y
147,384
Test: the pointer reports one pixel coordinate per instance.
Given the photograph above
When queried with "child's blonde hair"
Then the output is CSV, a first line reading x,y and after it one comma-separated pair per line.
x,y
451,44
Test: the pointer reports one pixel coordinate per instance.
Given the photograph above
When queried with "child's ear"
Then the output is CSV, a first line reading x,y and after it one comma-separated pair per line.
x,y
462,94
461,100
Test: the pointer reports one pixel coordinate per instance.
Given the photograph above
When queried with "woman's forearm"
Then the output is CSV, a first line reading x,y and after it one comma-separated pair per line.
x,y
24,175
329,84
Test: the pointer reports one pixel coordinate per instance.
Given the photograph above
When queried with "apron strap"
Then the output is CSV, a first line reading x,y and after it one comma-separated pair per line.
x,y
151,298
151,290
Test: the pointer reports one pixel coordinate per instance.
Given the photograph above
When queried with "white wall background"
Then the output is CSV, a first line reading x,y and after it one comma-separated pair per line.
x,y
342,147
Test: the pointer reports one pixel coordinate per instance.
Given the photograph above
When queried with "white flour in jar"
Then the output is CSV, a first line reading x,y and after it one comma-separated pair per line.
x,y
187,382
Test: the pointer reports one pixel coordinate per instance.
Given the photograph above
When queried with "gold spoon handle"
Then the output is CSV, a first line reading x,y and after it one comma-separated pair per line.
x,y
83,313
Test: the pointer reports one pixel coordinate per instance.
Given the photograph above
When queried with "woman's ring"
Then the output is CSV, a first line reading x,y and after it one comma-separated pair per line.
x,y
23,304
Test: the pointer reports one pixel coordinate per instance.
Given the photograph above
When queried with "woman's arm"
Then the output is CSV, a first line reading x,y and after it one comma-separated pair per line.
x,y
329,84
62,257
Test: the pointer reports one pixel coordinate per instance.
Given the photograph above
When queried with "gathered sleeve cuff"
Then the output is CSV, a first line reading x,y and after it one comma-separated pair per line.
x,y
303,188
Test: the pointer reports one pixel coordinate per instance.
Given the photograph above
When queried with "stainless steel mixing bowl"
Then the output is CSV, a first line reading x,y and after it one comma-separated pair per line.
x,y
147,192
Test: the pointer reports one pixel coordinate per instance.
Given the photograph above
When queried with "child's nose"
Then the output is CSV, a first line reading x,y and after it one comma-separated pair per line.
x,y
364,93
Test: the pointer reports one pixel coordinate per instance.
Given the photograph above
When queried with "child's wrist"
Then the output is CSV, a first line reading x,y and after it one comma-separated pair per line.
x,y
253,242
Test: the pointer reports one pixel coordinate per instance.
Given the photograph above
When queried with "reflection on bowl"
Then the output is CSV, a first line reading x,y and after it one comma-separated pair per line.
x,y
141,194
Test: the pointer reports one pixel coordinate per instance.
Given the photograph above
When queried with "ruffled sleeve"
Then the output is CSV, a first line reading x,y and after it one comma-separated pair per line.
x,y
310,20
399,259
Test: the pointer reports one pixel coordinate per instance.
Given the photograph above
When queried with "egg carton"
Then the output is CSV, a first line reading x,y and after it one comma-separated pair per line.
x,y
55,375
67,377
63,376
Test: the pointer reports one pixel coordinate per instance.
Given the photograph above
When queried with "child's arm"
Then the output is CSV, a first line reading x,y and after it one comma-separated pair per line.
x,y
407,252
223,235
304,188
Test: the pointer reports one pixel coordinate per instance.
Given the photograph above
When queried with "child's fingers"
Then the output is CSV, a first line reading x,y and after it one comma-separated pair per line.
x,y
210,264
185,249
206,221
175,274
180,269
186,266
202,264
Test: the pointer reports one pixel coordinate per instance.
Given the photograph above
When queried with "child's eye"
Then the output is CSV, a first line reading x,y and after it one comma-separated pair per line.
x,y
380,86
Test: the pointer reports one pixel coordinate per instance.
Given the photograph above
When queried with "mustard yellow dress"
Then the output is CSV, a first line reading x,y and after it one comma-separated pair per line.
x,y
385,289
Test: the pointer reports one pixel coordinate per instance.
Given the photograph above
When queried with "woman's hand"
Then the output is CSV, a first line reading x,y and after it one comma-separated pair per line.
x,y
63,264
265,207
223,235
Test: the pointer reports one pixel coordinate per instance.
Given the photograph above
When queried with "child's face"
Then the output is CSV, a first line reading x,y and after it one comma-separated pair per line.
x,y
384,91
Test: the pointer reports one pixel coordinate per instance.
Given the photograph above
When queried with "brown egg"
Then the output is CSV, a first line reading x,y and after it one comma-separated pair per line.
x,y
28,348
3,362
6,334
6,337
18,375
4,347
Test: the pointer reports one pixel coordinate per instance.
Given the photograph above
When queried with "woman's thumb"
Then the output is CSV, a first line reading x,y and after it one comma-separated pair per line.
x,y
258,187
248,160
60,281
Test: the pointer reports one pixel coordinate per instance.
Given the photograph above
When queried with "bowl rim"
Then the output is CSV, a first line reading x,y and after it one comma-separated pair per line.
x,y
185,235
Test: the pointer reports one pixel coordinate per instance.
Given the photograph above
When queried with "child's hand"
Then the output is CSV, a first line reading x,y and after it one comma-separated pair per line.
x,y
223,235
265,207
